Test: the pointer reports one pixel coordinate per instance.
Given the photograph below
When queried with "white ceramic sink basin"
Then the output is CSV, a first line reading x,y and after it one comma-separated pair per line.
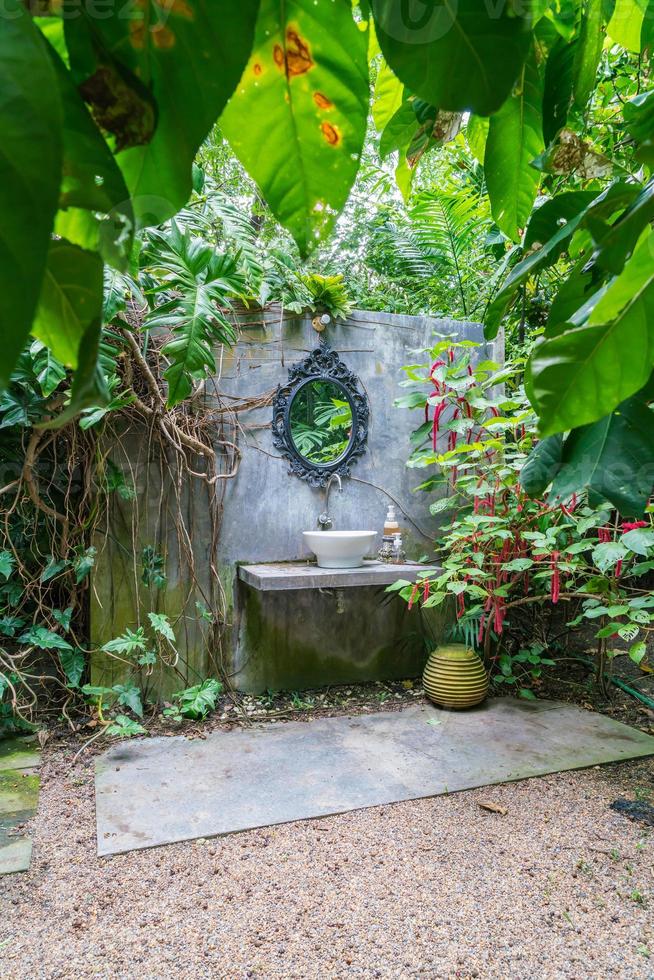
x,y
339,549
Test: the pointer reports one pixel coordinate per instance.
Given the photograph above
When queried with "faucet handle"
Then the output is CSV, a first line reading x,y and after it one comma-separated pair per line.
x,y
325,521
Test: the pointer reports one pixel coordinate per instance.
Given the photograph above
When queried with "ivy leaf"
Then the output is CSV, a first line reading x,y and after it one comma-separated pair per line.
x,y
161,624
130,696
84,563
53,568
63,617
298,117
72,664
30,171
124,727
462,56
44,639
515,138
9,625
128,644
198,701
7,562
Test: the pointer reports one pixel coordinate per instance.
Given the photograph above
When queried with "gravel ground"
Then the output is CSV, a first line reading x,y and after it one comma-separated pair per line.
x,y
559,886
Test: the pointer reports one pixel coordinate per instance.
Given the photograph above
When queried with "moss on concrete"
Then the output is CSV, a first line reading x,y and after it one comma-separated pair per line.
x,y
277,652
19,792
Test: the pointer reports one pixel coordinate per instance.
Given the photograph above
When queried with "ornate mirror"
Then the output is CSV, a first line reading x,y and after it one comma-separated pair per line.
x,y
320,417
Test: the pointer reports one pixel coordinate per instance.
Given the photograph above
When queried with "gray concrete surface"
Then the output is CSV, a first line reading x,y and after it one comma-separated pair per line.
x,y
281,576
162,790
280,642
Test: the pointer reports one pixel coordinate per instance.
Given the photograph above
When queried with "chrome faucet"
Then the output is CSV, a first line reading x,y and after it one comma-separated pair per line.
x,y
325,521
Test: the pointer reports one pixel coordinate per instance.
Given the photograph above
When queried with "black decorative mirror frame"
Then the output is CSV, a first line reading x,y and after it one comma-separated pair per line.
x,y
322,364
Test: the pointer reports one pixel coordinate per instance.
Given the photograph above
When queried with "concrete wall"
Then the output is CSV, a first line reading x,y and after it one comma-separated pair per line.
x,y
298,639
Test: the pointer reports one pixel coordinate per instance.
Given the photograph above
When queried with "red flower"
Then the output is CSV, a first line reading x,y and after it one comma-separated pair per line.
x,y
633,525
556,577
438,411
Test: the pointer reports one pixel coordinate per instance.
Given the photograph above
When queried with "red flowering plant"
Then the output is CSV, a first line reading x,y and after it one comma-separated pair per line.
x,y
509,561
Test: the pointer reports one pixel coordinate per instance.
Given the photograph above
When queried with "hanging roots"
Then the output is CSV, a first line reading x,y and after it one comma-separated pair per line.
x,y
61,500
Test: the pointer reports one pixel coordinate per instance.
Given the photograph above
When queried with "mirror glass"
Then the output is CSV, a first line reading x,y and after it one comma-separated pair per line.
x,y
320,419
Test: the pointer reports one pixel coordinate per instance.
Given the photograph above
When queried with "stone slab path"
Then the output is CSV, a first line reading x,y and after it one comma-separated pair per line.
x,y
161,790
19,797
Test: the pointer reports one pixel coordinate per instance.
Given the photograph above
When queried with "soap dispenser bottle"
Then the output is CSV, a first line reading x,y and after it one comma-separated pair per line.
x,y
391,526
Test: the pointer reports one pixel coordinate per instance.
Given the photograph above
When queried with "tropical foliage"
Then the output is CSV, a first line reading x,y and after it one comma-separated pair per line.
x,y
102,118
508,559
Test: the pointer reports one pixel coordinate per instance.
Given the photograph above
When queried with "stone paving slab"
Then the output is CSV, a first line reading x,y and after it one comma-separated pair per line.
x,y
19,797
19,753
160,790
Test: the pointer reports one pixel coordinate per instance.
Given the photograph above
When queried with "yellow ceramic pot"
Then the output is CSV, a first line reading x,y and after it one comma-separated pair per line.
x,y
455,677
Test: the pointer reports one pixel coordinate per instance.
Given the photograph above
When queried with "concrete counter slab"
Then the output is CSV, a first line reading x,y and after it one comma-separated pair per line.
x,y
285,575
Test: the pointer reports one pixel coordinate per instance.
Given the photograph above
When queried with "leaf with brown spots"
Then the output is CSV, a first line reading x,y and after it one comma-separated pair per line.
x,y
298,117
188,56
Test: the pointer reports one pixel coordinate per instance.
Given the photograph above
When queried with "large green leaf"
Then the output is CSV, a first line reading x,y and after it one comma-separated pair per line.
x,y
574,214
201,280
559,83
298,117
542,465
387,97
547,219
462,55
96,211
73,663
30,172
399,131
626,23
588,52
515,138
70,300
613,458
639,123
617,239
584,373
189,54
